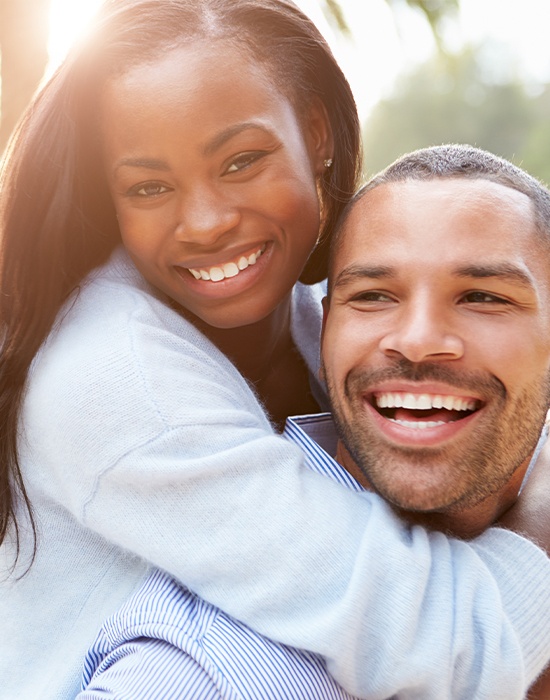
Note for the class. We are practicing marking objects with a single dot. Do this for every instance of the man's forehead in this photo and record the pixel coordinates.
(441, 212)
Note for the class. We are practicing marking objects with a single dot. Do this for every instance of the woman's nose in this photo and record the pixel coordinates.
(205, 215)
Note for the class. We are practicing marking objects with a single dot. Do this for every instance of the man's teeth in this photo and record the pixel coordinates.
(231, 269)
(419, 424)
(424, 402)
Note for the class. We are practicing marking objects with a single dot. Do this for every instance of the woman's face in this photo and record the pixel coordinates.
(214, 180)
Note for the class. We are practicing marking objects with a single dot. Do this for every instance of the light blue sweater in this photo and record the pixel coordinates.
(140, 443)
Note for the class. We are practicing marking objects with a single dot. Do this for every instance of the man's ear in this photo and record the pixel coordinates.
(319, 135)
(326, 305)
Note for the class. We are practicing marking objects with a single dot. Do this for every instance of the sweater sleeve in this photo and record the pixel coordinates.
(153, 440)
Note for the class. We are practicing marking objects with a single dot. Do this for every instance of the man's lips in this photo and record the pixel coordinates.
(423, 410)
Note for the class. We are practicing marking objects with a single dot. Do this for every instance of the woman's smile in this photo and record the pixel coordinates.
(225, 270)
(227, 279)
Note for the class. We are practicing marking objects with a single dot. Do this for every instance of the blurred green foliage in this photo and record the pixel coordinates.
(435, 11)
(458, 99)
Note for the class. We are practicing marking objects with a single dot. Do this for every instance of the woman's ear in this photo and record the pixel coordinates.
(319, 136)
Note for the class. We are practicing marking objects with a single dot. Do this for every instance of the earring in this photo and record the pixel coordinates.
(327, 162)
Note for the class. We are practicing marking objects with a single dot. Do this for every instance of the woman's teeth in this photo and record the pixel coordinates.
(231, 269)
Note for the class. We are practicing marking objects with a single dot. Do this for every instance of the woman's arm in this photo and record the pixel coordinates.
(162, 449)
(530, 515)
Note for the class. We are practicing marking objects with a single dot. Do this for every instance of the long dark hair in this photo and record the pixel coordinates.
(56, 217)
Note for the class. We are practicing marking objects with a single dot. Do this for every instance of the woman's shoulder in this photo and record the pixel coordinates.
(120, 356)
(116, 321)
(115, 297)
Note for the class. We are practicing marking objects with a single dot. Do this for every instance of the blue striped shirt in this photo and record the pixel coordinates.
(167, 643)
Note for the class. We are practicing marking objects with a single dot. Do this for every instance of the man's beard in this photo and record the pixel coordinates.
(476, 468)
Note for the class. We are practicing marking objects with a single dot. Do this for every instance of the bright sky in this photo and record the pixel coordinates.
(381, 48)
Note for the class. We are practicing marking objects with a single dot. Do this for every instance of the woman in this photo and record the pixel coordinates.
(160, 200)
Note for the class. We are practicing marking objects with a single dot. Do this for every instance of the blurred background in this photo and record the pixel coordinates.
(423, 72)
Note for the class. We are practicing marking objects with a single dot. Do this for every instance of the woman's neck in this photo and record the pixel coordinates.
(257, 348)
(265, 354)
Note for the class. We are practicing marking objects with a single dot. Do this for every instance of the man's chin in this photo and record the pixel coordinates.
(421, 503)
(419, 486)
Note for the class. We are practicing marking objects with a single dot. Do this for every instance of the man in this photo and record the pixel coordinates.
(437, 363)
(436, 345)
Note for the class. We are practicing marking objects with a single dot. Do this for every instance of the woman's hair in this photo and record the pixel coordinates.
(57, 220)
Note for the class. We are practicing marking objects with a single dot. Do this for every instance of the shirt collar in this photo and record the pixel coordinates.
(316, 435)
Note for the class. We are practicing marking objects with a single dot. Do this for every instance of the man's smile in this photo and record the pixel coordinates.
(420, 411)
(412, 417)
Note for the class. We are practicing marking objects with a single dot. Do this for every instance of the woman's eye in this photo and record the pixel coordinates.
(244, 160)
(148, 189)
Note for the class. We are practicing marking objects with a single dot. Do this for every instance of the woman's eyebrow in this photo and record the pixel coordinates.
(210, 148)
(147, 163)
(220, 139)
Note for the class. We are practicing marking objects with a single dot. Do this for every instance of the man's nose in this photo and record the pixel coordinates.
(421, 332)
(205, 215)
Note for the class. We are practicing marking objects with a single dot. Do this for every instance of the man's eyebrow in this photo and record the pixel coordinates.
(356, 272)
(220, 139)
(502, 271)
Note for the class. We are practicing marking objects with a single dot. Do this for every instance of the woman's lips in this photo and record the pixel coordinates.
(221, 284)
(221, 271)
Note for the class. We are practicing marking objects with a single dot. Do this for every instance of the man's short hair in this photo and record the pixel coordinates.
(453, 161)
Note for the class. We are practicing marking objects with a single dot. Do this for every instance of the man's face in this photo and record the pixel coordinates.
(436, 344)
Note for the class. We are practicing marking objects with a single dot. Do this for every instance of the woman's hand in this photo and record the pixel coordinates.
(530, 515)
(541, 689)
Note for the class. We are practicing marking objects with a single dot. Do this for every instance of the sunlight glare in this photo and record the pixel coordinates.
(68, 20)
(383, 45)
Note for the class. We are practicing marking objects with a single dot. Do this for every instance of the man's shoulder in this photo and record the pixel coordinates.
(160, 609)
(250, 665)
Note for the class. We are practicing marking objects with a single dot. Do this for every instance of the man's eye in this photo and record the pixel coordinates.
(372, 297)
(483, 298)
(244, 160)
(148, 189)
